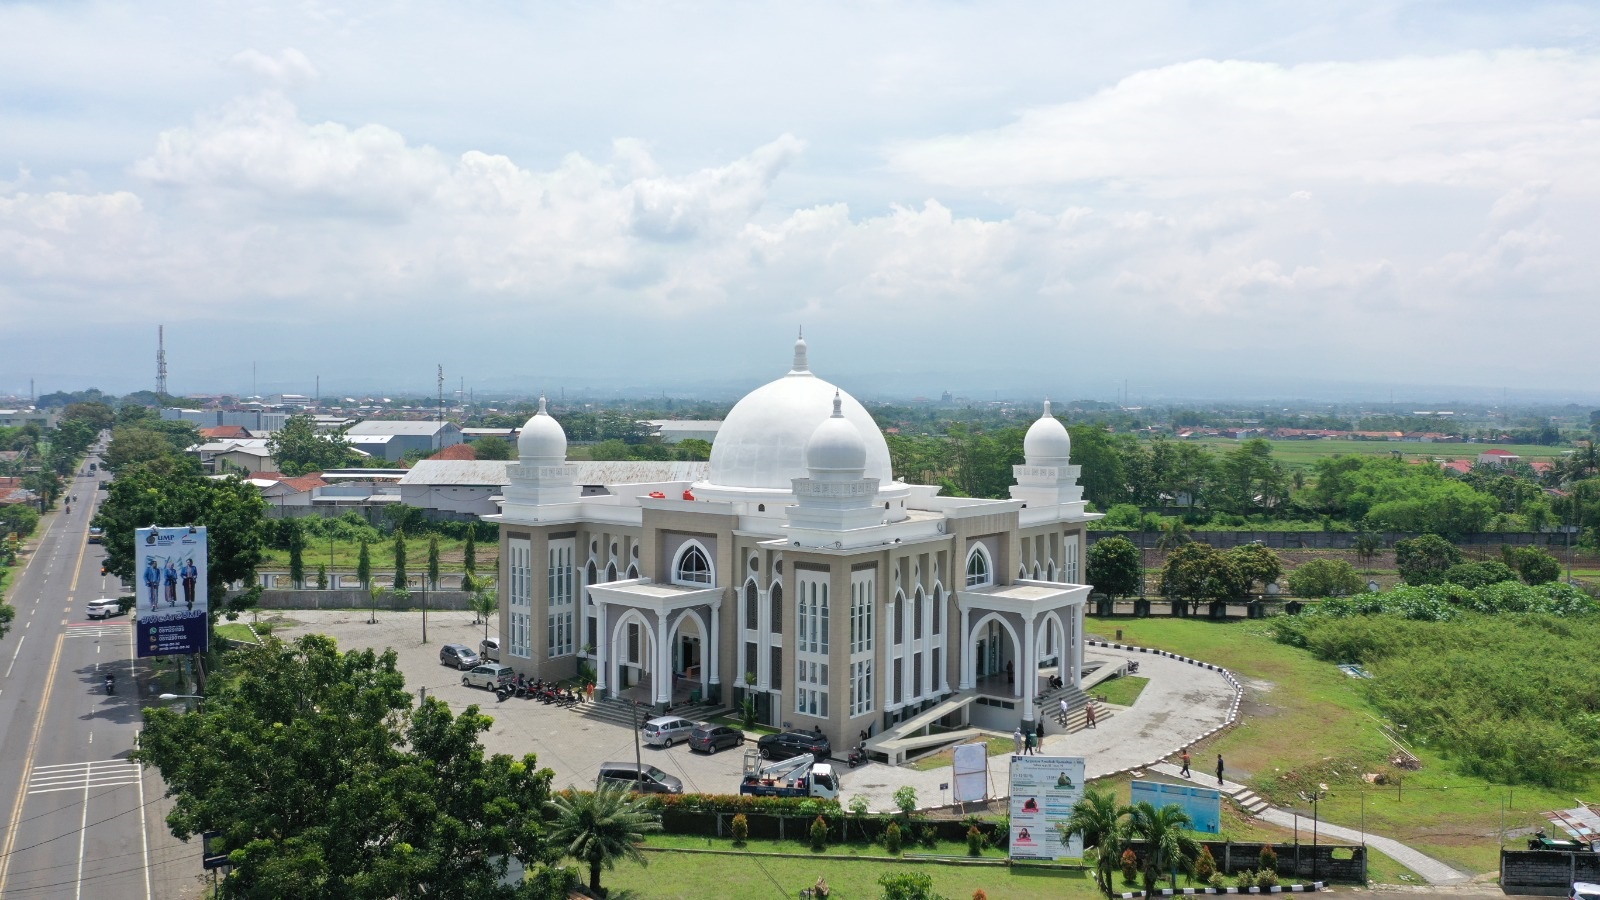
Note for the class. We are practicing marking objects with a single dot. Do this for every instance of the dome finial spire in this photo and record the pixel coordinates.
(543, 411)
(800, 364)
(838, 406)
(1047, 411)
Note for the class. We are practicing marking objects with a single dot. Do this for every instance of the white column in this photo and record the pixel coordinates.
(891, 665)
(1077, 646)
(714, 652)
(1028, 671)
(969, 662)
(764, 644)
(928, 686)
(663, 676)
(602, 649)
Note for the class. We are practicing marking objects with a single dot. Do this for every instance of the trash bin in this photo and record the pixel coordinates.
(1119, 635)
(694, 696)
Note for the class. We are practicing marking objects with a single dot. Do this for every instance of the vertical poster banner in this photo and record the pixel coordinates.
(1043, 791)
(971, 765)
(172, 609)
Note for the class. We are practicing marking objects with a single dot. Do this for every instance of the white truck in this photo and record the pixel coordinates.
(797, 776)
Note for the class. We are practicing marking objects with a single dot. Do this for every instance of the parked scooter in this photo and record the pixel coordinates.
(858, 755)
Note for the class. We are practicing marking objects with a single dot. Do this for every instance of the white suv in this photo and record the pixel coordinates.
(103, 608)
(492, 677)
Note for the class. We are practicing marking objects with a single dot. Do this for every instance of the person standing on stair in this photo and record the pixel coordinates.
(1066, 712)
(1088, 709)
(1185, 772)
(1219, 768)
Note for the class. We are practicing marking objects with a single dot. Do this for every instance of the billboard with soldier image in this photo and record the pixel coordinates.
(172, 610)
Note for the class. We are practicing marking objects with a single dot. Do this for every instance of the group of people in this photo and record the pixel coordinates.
(1025, 740)
(1088, 713)
(171, 576)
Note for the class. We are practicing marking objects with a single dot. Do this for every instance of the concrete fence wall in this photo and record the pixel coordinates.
(1547, 872)
(360, 599)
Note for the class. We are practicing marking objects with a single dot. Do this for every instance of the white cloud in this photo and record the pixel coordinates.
(1496, 119)
(288, 68)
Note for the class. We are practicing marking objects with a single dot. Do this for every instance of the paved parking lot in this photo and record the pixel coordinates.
(1181, 703)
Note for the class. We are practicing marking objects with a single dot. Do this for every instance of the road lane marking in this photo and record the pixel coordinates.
(83, 836)
(27, 764)
(144, 831)
(14, 656)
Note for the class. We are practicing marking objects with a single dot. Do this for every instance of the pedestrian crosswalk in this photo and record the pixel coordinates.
(95, 631)
(83, 776)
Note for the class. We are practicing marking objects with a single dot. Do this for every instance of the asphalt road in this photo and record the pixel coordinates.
(81, 819)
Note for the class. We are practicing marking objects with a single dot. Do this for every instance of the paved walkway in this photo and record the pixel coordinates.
(1432, 870)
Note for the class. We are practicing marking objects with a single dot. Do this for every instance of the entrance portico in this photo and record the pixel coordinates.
(1006, 631)
(660, 630)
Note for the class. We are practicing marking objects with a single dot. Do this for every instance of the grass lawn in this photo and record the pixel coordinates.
(1121, 691)
(345, 555)
(1306, 723)
(679, 874)
(1301, 454)
(998, 746)
(236, 631)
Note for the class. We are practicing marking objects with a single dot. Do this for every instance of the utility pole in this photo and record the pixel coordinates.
(439, 440)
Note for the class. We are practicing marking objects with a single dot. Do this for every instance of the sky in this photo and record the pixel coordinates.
(1086, 200)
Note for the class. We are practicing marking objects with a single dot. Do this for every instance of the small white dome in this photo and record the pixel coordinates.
(1047, 443)
(762, 442)
(836, 447)
(543, 442)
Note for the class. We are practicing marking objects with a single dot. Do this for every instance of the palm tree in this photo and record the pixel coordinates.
(1173, 535)
(602, 827)
(1098, 819)
(1168, 846)
(485, 601)
(1367, 546)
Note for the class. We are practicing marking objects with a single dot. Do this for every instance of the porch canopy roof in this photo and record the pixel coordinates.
(1026, 597)
(642, 593)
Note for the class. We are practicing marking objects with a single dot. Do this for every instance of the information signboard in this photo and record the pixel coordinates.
(1204, 805)
(1043, 791)
(172, 608)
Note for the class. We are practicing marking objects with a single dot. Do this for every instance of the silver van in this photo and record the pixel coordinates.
(643, 779)
(666, 731)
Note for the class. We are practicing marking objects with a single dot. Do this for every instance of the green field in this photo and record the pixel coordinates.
(1297, 454)
(345, 554)
(1307, 723)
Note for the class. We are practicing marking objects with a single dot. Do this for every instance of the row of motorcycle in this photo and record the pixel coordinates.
(541, 690)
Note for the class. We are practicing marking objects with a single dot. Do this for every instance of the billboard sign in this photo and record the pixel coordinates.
(1043, 791)
(971, 764)
(172, 608)
(1203, 805)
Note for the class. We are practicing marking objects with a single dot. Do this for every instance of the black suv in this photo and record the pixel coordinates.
(794, 743)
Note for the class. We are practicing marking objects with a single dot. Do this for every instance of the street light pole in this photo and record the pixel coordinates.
(1315, 797)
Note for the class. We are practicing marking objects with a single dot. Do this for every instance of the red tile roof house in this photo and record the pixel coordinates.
(1497, 457)
(224, 432)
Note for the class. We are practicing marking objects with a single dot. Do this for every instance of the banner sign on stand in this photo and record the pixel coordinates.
(1043, 791)
(172, 608)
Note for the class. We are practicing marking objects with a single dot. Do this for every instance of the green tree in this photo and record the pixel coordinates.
(469, 556)
(364, 564)
(1116, 567)
(298, 449)
(1169, 848)
(1199, 572)
(1099, 821)
(692, 449)
(1257, 564)
(325, 783)
(1367, 546)
(1424, 559)
(1250, 480)
(297, 550)
(1533, 565)
(400, 582)
(135, 445)
(322, 577)
(19, 518)
(433, 561)
(1479, 574)
(94, 413)
(492, 447)
(165, 492)
(1101, 463)
(1324, 578)
(599, 828)
(485, 601)
(1174, 534)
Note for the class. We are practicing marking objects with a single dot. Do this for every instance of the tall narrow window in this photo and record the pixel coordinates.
(863, 634)
(811, 645)
(777, 608)
(519, 598)
(752, 610)
(563, 594)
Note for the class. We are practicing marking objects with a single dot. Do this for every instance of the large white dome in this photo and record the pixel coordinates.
(762, 442)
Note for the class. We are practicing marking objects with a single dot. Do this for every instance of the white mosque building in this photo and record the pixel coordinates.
(799, 573)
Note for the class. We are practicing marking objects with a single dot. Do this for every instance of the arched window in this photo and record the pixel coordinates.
(978, 566)
(611, 571)
(916, 615)
(752, 612)
(777, 608)
(692, 565)
(592, 574)
(633, 571)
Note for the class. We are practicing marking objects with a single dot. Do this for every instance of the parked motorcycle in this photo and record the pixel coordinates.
(858, 755)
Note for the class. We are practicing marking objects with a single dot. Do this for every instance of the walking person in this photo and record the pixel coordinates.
(1219, 768)
(1066, 712)
(588, 692)
(1016, 740)
(1185, 772)
(1088, 709)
